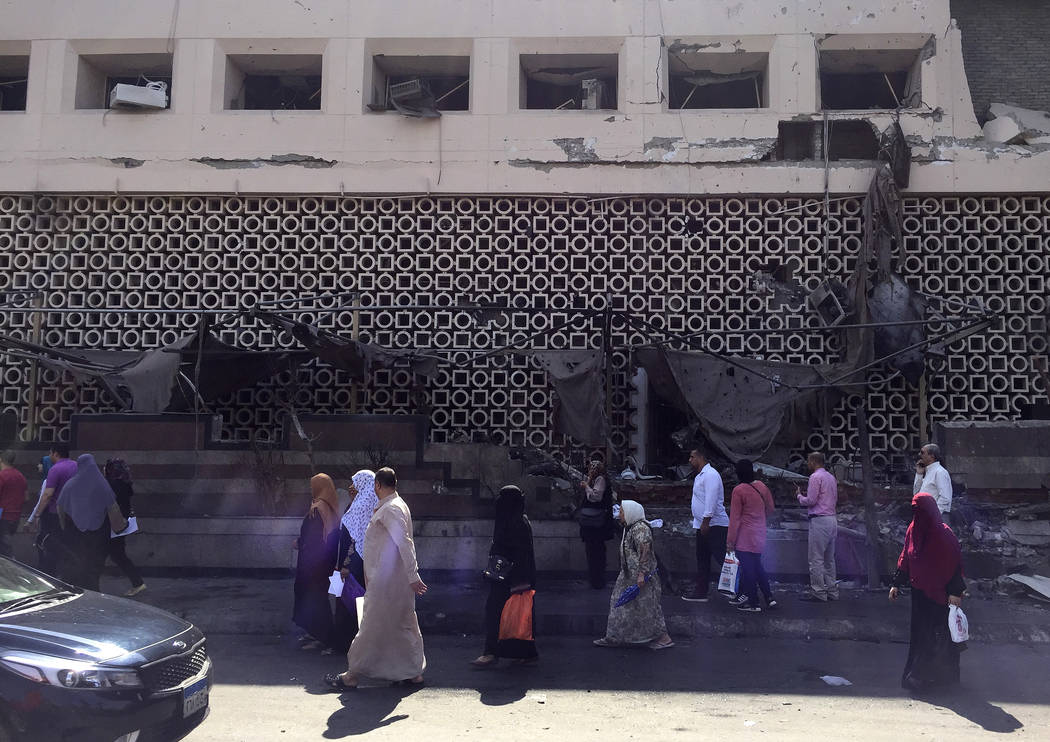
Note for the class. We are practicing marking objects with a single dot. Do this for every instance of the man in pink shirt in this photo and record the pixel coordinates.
(820, 499)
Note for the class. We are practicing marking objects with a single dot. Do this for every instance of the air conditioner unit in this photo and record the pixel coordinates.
(151, 95)
(593, 92)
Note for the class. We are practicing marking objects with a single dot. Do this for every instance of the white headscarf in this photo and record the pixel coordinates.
(632, 512)
(357, 516)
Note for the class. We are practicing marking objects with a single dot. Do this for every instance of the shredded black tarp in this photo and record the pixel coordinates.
(578, 379)
(891, 300)
(741, 411)
(150, 381)
(347, 354)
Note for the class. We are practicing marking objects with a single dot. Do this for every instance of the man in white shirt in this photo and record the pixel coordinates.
(710, 521)
(932, 478)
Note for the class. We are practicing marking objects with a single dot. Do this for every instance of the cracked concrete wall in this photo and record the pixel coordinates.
(196, 146)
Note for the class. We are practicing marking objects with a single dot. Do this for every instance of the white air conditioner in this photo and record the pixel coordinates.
(151, 95)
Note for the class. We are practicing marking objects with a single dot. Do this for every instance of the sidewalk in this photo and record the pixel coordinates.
(233, 605)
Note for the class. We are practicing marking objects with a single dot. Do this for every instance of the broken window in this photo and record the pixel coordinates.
(420, 86)
(869, 79)
(99, 74)
(716, 80)
(272, 82)
(558, 82)
(849, 139)
(14, 82)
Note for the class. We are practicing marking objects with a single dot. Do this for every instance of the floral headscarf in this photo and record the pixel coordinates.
(357, 516)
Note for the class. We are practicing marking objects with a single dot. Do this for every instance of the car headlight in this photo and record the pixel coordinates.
(40, 668)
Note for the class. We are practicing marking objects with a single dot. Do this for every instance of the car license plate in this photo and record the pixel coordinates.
(195, 697)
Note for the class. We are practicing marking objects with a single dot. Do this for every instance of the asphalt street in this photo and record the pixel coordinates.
(268, 689)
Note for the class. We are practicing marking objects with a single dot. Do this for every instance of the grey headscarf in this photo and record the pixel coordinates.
(87, 495)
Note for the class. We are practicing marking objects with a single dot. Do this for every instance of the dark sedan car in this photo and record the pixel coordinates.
(79, 665)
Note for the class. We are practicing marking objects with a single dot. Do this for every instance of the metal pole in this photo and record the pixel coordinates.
(607, 352)
(870, 520)
(355, 332)
(34, 370)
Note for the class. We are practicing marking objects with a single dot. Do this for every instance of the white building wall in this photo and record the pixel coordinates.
(642, 147)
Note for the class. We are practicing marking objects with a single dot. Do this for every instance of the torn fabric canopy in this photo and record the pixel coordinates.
(578, 379)
(746, 408)
(345, 353)
(150, 378)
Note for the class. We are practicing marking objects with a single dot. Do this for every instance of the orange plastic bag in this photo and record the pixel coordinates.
(516, 620)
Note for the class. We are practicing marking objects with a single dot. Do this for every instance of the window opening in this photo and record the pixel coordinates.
(14, 82)
(558, 82)
(99, 74)
(271, 82)
(882, 79)
(716, 80)
(420, 86)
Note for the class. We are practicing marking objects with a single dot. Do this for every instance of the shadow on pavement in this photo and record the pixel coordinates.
(969, 705)
(366, 709)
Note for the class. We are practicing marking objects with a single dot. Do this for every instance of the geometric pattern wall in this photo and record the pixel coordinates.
(683, 264)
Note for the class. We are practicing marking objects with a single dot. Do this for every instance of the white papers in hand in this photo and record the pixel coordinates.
(335, 584)
(133, 527)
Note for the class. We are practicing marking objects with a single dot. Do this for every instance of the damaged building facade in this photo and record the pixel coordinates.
(615, 174)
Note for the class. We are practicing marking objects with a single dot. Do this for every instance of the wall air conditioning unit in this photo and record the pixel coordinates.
(153, 95)
(593, 92)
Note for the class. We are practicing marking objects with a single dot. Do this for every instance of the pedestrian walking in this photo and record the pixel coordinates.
(932, 478)
(119, 477)
(352, 528)
(88, 512)
(710, 521)
(317, 544)
(640, 620)
(48, 540)
(596, 520)
(931, 564)
(512, 541)
(751, 503)
(388, 645)
(12, 497)
(820, 501)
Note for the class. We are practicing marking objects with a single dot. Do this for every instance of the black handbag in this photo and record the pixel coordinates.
(498, 569)
(591, 517)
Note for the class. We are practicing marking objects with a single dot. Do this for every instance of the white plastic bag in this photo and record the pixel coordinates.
(958, 625)
(730, 577)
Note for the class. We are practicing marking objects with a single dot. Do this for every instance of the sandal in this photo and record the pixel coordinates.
(485, 660)
(334, 683)
(603, 642)
(665, 645)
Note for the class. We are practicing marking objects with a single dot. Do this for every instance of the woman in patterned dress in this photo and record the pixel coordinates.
(641, 620)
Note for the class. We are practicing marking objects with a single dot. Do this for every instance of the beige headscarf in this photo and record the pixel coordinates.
(325, 502)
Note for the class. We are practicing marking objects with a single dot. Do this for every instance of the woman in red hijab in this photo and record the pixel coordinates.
(931, 564)
(317, 543)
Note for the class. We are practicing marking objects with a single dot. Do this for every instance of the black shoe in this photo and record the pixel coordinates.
(694, 598)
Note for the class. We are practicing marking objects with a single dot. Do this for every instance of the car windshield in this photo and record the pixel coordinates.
(17, 582)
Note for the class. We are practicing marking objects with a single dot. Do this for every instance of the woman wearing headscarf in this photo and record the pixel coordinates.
(512, 540)
(354, 523)
(317, 544)
(596, 521)
(931, 564)
(750, 504)
(119, 477)
(641, 620)
(87, 510)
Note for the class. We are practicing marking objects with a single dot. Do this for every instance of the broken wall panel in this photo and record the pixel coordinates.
(714, 80)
